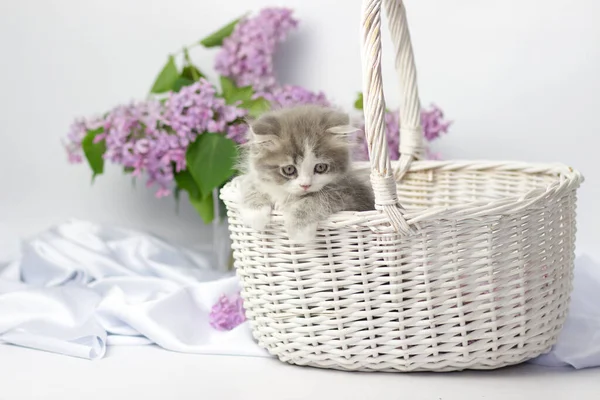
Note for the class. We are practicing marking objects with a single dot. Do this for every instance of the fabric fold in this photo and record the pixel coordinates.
(79, 287)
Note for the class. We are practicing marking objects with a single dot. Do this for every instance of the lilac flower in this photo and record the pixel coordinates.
(291, 95)
(76, 133)
(433, 125)
(78, 130)
(227, 313)
(392, 131)
(237, 133)
(195, 109)
(152, 138)
(247, 55)
(73, 153)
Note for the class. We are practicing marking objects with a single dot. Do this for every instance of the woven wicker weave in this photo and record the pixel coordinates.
(462, 265)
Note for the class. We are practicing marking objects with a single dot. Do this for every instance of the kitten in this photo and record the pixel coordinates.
(298, 160)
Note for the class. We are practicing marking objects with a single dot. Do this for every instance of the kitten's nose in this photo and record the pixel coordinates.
(305, 187)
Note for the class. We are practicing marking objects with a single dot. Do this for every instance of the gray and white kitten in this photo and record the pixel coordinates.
(298, 161)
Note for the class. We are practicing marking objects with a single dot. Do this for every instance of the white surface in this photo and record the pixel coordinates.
(152, 373)
(502, 70)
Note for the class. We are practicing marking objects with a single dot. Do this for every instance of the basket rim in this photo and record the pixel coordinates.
(567, 179)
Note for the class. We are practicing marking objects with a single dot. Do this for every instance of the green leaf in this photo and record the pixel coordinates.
(227, 87)
(358, 104)
(232, 93)
(240, 94)
(94, 151)
(211, 159)
(256, 107)
(181, 82)
(128, 170)
(216, 38)
(192, 73)
(205, 207)
(166, 78)
(185, 181)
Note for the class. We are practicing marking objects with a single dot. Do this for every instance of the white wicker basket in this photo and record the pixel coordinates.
(462, 265)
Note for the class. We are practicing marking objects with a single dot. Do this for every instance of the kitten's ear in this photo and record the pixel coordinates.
(263, 131)
(262, 140)
(338, 124)
(266, 125)
(334, 119)
(340, 127)
(341, 135)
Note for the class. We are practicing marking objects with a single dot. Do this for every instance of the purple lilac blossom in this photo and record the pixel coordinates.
(152, 138)
(247, 55)
(432, 122)
(292, 95)
(227, 313)
(77, 132)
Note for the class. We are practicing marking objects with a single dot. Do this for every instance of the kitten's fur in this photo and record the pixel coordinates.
(304, 140)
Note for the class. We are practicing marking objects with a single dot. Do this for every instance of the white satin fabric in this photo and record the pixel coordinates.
(579, 342)
(79, 287)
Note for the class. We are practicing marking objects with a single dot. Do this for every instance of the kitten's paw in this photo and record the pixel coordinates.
(256, 218)
(302, 234)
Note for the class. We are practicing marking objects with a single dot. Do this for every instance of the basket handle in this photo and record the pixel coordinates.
(383, 178)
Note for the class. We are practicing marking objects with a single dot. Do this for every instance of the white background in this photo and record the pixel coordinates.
(520, 78)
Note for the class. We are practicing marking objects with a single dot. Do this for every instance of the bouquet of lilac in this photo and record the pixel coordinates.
(186, 136)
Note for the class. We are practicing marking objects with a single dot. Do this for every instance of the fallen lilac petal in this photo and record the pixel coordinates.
(227, 313)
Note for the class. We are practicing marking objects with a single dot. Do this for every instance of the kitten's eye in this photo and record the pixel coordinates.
(288, 170)
(321, 168)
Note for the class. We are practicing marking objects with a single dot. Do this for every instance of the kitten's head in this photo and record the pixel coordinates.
(300, 149)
